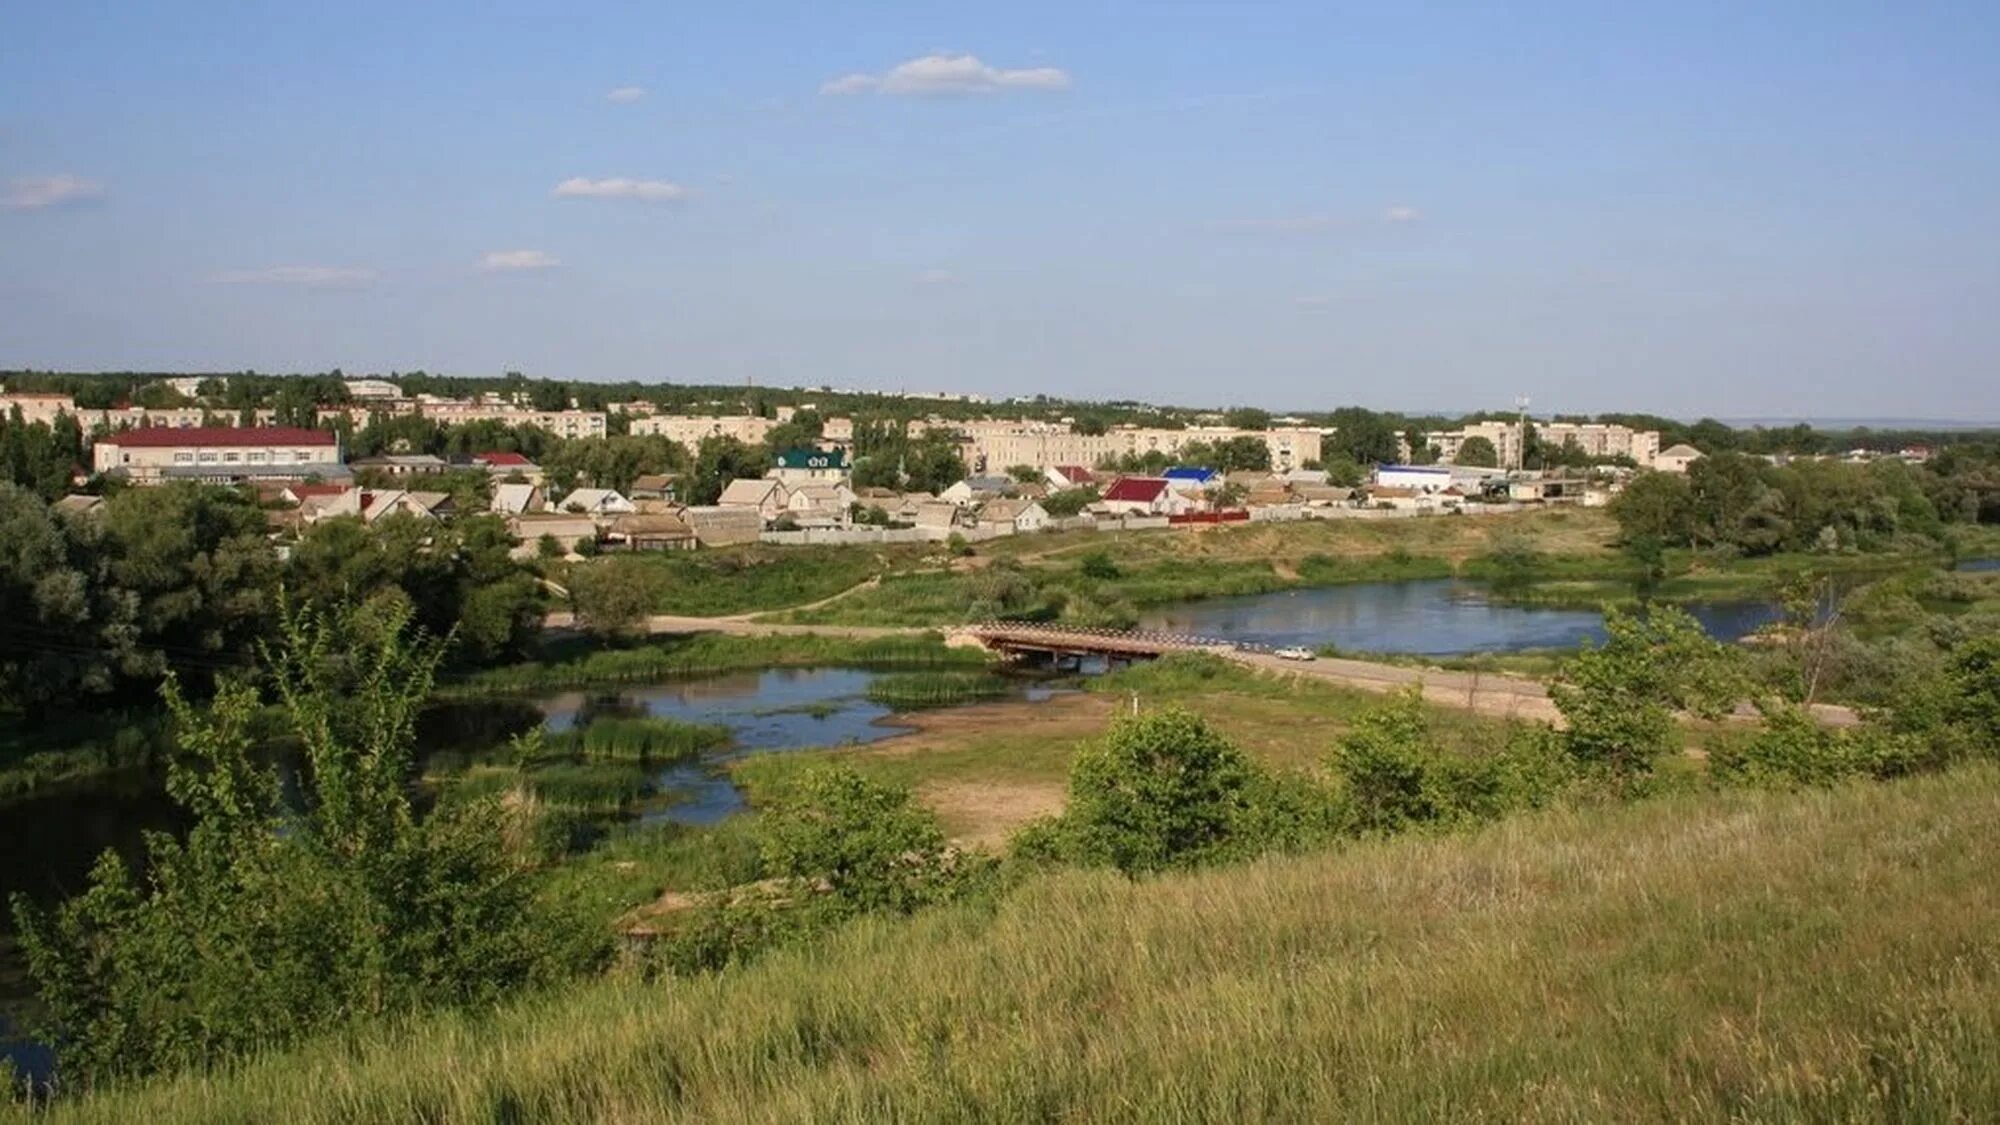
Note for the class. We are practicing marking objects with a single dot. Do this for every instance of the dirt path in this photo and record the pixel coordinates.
(869, 584)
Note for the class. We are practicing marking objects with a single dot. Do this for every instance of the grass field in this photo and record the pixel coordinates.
(1743, 955)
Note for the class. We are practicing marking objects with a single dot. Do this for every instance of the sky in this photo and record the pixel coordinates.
(1738, 210)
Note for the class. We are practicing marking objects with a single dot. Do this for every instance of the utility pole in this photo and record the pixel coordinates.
(1521, 432)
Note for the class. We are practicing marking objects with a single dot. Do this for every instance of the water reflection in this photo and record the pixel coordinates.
(1435, 617)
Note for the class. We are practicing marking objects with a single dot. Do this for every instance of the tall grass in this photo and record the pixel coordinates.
(643, 740)
(910, 691)
(708, 653)
(1823, 956)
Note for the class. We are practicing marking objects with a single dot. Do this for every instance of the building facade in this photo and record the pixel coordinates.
(218, 453)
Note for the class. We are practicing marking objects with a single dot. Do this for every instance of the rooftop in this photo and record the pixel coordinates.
(156, 437)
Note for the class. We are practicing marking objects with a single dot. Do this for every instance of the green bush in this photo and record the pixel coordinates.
(1157, 791)
(1792, 749)
(1619, 698)
(852, 845)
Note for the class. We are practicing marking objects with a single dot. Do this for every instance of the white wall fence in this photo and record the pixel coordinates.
(848, 536)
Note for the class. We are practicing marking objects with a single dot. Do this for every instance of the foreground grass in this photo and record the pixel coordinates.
(1826, 956)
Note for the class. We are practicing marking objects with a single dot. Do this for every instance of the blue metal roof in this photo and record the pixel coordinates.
(1189, 473)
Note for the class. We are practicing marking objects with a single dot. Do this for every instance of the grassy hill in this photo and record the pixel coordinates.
(1750, 955)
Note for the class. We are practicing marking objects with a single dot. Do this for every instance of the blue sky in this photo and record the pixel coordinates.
(1729, 209)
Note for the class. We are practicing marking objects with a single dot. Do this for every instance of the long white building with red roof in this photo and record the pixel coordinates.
(219, 454)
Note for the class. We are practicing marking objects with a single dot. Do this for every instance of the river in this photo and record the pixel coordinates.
(1428, 617)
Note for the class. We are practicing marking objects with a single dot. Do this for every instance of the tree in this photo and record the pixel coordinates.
(1158, 790)
(720, 460)
(1657, 507)
(934, 463)
(612, 596)
(1619, 698)
(1024, 474)
(1478, 452)
(1362, 435)
(278, 918)
(1247, 418)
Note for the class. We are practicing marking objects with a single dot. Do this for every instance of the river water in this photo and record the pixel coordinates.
(1429, 617)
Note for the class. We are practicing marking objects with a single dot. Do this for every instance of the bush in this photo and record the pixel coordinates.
(1397, 779)
(1159, 790)
(1619, 698)
(1098, 564)
(1794, 750)
(856, 846)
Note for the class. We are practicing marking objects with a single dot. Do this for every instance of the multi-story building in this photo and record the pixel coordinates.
(372, 389)
(218, 454)
(993, 446)
(1595, 439)
(690, 430)
(36, 407)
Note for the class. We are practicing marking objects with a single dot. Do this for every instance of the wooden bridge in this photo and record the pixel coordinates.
(1060, 642)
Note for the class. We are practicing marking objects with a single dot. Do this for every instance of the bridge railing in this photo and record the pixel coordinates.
(1096, 632)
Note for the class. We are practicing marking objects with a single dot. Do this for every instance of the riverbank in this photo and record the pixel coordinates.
(1711, 956)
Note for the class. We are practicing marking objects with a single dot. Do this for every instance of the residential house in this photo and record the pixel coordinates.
(1191, 480)
(596, 502)
(77, 503)
(655, 486)
(403, 465)
(820, 505)
(768, 498)
(423, 505)
(652, 531)
(936, 515)
(519, 499)
(298, 494)
(504, 464)
(1144, 496)
(1069, 476)
(567, 530)
(718, 526)
(1676, 458)
(976, 490)
(801, 466)
(1019, 516)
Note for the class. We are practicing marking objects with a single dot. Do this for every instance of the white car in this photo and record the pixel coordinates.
(1295, 653)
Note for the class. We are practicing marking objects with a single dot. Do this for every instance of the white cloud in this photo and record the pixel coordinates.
(310, 277)
(625, 95)
(30, 193)
(517, 261)
(620, 187)
(1401, 214)
(948, 74)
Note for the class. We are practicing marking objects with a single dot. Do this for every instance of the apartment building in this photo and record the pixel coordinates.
(994, 446)
(218, 454)
(1595, 439)
(689, 430)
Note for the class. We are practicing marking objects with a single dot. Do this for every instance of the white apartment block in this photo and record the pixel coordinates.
(690, 430)
(1595, 439)
(995, 446)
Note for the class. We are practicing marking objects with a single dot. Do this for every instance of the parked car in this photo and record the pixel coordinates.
(1295, 653)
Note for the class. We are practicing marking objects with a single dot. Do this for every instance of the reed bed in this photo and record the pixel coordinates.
(708, 654)
(643, 740)
(912, 691)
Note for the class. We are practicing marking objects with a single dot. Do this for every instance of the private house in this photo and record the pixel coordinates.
(1018, 516)
(1418, 479)
(936, 515)
(596, 502)
(1191, 480)
(1069, 476)
(77, 503)
(652, 531)
(655, 486)
(815, 466)
(566, 530)
(1676, 458)
(297, 494)
(402, 465)
(519, 499)
(502, 464)
(423, 505)
(718, 526)
(820, 505)
(976, 490)
(768, 498)
(219, 454)
(1143, 496)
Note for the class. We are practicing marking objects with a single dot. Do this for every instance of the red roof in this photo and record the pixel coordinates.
(1075, 474)
(1142, 490)
(304, 490)
(497, 458)
(155, 437)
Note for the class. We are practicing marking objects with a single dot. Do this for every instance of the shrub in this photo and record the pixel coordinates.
(1157, 791)
(1098, 564)
(857, 845)
(1793, 749)
(1619, 698)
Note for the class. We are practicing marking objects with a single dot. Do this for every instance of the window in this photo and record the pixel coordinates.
(300, 456)
(183, 458)
(232, 457)
(259, 457)
(207, 457)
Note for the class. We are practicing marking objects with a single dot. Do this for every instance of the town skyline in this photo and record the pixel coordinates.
(1690, 212)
